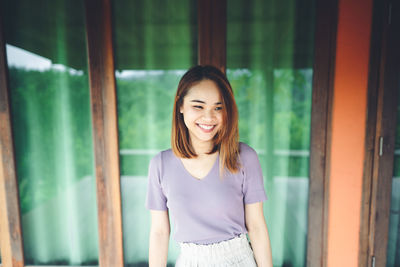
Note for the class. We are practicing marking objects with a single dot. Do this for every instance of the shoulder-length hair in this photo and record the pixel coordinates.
(226, 141)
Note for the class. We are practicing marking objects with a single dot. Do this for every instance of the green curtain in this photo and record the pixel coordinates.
(269, 63)
(393, 249)
(155, 43)
(51, 120)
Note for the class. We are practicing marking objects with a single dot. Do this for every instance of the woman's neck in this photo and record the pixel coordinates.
(202, 148)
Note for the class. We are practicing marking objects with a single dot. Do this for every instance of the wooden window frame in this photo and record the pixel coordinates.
(321, 121)
(381, 122)
(211, 50)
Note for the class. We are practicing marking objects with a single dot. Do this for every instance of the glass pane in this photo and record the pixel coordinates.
(393, 249)
(269, 63)
(51, 118)
(155, 42)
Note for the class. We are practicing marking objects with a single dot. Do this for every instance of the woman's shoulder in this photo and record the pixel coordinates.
(161, 160)
(245, 149)
(163, 157)
(249, 161)
(247, 154)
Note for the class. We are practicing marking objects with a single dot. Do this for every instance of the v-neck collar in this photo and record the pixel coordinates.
(216, 161)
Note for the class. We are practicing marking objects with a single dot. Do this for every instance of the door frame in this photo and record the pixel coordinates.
(383, 87)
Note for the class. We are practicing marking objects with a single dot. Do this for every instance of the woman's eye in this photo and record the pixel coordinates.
(218, 108)
(198, 107)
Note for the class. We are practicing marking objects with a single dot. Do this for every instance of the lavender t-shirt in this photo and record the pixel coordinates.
(206, 210)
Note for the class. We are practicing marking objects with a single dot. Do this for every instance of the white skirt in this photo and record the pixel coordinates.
(234, 252)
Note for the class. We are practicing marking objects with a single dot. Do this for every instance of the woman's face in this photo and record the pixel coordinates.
(202, 111)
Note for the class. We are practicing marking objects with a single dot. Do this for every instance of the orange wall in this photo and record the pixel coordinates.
(348, 131)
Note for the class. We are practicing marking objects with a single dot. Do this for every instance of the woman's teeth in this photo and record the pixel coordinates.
(206, 127)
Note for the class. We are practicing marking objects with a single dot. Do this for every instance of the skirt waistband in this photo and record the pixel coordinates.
(233, 249)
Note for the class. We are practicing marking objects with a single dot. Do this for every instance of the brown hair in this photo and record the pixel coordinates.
(226, 141)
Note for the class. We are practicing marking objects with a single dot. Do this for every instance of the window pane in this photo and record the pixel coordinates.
(155, 42)
(48, 80)
(393, 249)
(269, 63)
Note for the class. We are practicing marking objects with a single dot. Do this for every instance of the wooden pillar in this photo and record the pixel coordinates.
(105, 131)
(12, 254)
(212, 33)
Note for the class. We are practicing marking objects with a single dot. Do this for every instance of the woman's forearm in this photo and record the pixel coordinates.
(261, 246)
(158, 249)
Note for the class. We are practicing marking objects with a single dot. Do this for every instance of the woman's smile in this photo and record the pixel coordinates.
(206, 128)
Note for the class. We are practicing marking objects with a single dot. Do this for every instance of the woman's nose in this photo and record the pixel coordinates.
(209, 115)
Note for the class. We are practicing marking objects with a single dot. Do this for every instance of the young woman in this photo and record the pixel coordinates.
(211, 184)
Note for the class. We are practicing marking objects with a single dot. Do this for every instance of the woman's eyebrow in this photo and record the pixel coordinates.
(202, 102)
(197, 101)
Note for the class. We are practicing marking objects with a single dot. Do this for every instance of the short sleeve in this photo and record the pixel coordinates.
(253, 185)
(155, 198)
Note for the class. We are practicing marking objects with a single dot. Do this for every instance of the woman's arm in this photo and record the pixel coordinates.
(258, 233)
(159, 238)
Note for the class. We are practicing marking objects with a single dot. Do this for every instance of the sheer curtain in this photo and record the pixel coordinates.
(269, 63)
(51, 119)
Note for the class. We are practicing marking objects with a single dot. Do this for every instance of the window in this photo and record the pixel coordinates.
(49, 95)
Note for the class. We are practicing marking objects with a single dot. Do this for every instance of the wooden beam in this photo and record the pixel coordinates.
(105, 131)
(322, 99)
(212, 33)
(12, 254)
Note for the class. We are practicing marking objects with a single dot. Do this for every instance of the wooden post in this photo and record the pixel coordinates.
(105, 132)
